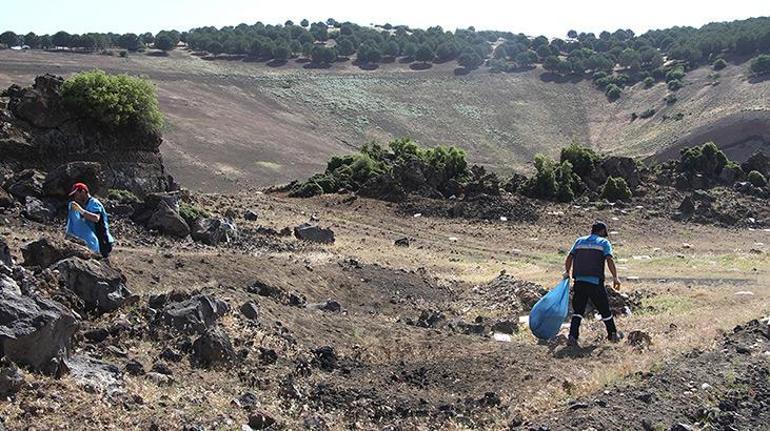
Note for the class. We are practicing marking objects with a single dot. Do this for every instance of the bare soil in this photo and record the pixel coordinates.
(234, 124)
(390, 374)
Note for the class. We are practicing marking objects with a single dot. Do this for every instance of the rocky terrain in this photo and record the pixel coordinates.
(256, 310)
(232, 125)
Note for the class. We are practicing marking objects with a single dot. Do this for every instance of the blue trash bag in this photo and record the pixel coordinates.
(551, 310)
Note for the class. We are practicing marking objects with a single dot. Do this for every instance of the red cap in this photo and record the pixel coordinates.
(78, 187)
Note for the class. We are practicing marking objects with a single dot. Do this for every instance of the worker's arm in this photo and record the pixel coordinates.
(568, 265)
(92, 217)
(614, 271)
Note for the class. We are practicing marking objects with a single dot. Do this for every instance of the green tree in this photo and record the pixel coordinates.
(582, 159)
(424, 54)
(760, 64)
(345, 47)
(649, 82)
(215, 47)
(719, 64)
(706, 159)
(616, 189)
(130, 41)
(630, 58)
(281, 52)
(613, 92)
(32, 40)
(410, 50)
(147, 38)
(323, 55)
(543, 183)
(164, 42)
(304, 23)
(391, 49)
(469, 59)
(9, 39)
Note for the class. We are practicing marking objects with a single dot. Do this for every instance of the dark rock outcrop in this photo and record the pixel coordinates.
(212, 348)
(101, 287)
(59, 181)
(5, 254)
(195, 314)
(168, 221)
(45, 134)
(308, 232)
(35, 332)
(46, 251)
(214, 231)
(38, 210)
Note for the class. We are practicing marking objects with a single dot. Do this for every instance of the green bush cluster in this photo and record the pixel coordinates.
(719, 64)
(582, 159)
(352, 172)
(760, 64)
(647, 113)
(756, 178)
(113, 100)
(551, 180)
(191, 213)
(706, 159)
(616, 189)
(122, 196)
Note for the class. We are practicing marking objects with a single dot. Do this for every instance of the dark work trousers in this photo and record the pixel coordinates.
(597, 293)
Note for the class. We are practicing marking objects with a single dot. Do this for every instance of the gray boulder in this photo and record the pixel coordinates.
(313, 233)
(42, 105)
(47, 251)
(5, 254)
(35, 332)
(168, 221)
(8, 284)
(194, 315)
(101, 287)
(250, 215)
(11, 380)
(6, 200)
(37, 210)
(212, 348)
(59, 181)
(28, 182)
(214, 231)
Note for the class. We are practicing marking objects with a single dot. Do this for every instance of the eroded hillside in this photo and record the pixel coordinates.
(232, 124)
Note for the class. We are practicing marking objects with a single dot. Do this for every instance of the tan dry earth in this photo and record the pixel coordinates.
(391, 373)
(232, 124)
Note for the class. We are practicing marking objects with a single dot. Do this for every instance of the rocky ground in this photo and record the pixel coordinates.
(269, 331)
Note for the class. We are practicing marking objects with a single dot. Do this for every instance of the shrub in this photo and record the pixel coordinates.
(565, 182)
(613, 92)
(756, 178)
(719, 64)
(122, 196)
(707, 159)
(543, 183)
(648, 113)
(676, 74)
(616, 189)
(191, 213)
(649, 82)
(675, 85)
(670, 99)
(582, 159)
(760, 64)
(114, 100)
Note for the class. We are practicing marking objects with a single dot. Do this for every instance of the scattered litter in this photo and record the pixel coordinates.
(524, 320)
(686, 245)
(642, 257)
(418, 215)
(503, 218)
(705, 386)
(615, 219)
(632, 277)
(453, 238)
(498, 336)
(744, 292)
(614, 232)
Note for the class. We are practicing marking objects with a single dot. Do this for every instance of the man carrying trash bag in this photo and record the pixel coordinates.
(586, 262)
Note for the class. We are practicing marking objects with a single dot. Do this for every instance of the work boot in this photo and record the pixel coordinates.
(572, 342)
(615, 336)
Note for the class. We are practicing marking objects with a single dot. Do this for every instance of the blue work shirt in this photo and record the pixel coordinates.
(594, 242)
(79, 227)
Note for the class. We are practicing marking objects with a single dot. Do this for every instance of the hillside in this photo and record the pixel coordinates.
(235, 124)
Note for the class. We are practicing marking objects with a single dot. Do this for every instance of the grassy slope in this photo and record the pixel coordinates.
(232, 124)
